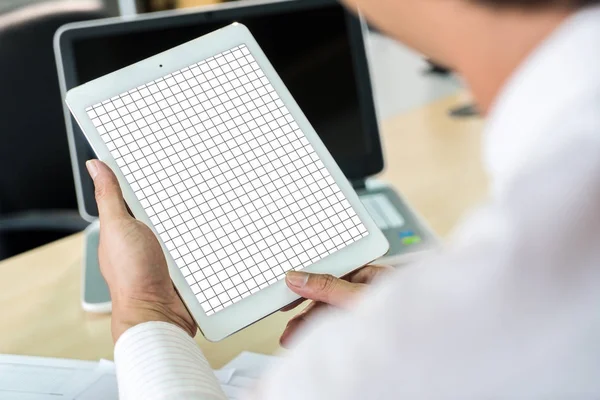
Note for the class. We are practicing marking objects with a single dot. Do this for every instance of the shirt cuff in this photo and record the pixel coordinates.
(158, 360)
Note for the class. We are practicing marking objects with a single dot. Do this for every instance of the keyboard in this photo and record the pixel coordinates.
(383, 212)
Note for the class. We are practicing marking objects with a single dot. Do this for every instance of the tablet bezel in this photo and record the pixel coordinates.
(270, 299)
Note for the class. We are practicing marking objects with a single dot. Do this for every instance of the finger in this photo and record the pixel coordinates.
(298, 321)
(325, 288)
(108, 192)
(289, 331)
(368, 273)
(293, 305)
(314, 305)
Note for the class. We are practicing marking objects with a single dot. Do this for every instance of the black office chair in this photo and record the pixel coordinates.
(37, 195)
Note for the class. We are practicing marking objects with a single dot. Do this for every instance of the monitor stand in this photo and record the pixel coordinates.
(95, 297)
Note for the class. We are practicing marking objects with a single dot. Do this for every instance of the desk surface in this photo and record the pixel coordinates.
(428, 157)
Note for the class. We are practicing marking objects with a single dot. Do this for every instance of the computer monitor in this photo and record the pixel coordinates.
(315, 45)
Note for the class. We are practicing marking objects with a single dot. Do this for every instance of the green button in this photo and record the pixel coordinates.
(411, 240)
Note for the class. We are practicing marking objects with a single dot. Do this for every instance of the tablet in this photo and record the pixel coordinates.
(215, 156)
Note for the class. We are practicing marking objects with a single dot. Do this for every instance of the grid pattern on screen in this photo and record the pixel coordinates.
(233, 187)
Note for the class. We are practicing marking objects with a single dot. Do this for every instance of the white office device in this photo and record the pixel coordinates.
(213, 153)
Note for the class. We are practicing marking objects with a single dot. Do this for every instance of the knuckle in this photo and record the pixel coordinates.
(325, 283)
(100, 190)
(131, 229)
(382, 270)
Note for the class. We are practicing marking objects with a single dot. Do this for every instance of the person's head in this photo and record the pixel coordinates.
(479, 38)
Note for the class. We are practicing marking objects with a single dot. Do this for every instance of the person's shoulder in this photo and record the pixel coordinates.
(567, 154)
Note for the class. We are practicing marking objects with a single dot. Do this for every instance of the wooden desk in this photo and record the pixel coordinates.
(431, 158)
(195, 3)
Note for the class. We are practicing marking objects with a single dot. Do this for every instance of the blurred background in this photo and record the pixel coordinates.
(38, 203)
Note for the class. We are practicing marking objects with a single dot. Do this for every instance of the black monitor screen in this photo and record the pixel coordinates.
(316, 48)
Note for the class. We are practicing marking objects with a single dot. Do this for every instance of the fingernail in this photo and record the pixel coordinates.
(92, 167)
(297, 279)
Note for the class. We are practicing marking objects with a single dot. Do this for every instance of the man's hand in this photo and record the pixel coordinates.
(324, 291)
(134, 267)
(132, 263)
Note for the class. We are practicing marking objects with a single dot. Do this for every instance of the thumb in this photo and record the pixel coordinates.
(108, 192)
(325, 288)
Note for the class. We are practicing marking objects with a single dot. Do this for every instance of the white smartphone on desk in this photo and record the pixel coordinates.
(95, 296)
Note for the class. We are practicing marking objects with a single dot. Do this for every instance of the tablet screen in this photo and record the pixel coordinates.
(231, 184)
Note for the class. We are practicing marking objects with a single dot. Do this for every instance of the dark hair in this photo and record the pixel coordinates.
(572, 4)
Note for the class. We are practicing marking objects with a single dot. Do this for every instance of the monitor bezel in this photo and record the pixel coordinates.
(358, 168)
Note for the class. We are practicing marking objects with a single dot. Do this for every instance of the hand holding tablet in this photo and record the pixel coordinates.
(214, 155)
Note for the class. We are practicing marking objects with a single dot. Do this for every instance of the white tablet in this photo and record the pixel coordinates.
(215, 156)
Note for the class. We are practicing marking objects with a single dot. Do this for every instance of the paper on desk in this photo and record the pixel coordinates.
(250, 365)
(246, 370)
(104, 384)
(37, 378)
(224, 375)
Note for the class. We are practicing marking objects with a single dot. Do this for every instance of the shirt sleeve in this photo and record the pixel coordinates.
(158, 360)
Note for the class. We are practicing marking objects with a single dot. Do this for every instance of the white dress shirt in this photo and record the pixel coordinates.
(511, 309)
